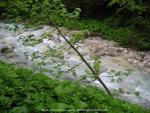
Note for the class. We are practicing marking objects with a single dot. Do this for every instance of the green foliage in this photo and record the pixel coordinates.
(29, 40)
(22, 92)
(128, 23)
(124, 35)
(47, 35)
(130, 5)
(54, 53)
(2, 3)
(38, 11)
(78, 36)
(97, 65)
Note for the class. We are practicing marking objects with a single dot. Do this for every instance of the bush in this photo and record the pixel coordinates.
(22, 92)
(37, 11)
(78, 36)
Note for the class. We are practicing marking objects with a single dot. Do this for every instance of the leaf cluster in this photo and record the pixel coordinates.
(22, 92)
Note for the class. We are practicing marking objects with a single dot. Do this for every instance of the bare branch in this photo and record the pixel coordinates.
(83, 59)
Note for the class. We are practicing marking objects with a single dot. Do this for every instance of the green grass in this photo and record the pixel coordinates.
(22, 92)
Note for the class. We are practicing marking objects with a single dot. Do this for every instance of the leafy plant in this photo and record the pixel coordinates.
(97, 65)
(78, 36)
(21, 92)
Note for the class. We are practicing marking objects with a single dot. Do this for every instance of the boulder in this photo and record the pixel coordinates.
(6, 50)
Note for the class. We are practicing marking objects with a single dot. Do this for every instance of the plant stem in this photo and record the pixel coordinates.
(83, 59)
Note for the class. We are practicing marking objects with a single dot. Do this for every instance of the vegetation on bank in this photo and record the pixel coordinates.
(23, 92)
(124, 21)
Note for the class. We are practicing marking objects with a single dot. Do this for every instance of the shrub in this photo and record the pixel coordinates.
(22, 92)
(78, 36)
(38, 11)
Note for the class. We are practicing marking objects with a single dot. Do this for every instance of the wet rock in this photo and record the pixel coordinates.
(10, 55)
(2, 46)
(130, 60)
(125, 51)
(1, 37)
(137, 56)
(6, 50)
(56, 39)
(64, 30)
(38, 28)
(142, 54)
(131, 55)
(109, 47)
(112, 52)
(103, 69)
(120, 50)
(76, 46)
(135, 61)
(20, 32)
(102, 53)
(147, 57)
(83, 52)
(94, 50)
(147, 64)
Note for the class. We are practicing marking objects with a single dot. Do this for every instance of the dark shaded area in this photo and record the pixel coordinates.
(91, 9)
(2, 7)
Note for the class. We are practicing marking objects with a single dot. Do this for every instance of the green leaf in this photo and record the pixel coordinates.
(19, 110)
(58, 106)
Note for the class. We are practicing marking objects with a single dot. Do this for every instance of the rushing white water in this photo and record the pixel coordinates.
(134, 87)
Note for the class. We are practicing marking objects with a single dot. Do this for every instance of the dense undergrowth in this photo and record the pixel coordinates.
(22, 92)
(124, 21)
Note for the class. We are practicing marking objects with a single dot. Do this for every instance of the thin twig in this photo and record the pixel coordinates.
(74, 67)
(83, 59)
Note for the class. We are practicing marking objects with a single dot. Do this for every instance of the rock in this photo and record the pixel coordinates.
(6, 50)
(38, 28)
(120, 50)
(64, 30)
(49, 43)
(135, 61)
(10, 55)
(147, 64)
(83, 52)
(109, 47)
(76, 46)
(137, 56)
(112, 52)
(130, 60)
(147, 56)
(80, 41)
(131, 54)
(142, 54)
(2, 46)
(125, 51)
(1, 37)
(56, 39)
(94, 50)
(103, 69)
